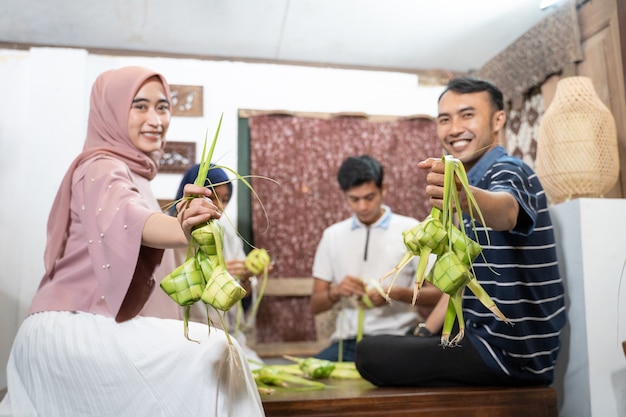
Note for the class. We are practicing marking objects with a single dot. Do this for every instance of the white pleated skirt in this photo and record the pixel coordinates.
(65, 364)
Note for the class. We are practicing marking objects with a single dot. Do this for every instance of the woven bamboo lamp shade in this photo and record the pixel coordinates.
(577, 153)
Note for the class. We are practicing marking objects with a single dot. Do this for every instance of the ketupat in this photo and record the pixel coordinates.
(205, 267)
(429, 236)
(186, 283)
(257, 261)
(455, 251)
(313, 367)
(303, 375)
(320, 368)
(345, 370)
(222, 290)
(271, 376)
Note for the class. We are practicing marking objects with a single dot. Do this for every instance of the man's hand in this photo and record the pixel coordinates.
(376, 298)
(350, 286)
(435, 181)
(499, 208)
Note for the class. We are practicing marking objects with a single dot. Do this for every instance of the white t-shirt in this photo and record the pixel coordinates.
(233, 245)
(351, 248)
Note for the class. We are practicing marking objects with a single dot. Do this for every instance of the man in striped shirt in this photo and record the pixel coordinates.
(518, 267)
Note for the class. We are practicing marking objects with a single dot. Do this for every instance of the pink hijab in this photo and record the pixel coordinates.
(107, 133)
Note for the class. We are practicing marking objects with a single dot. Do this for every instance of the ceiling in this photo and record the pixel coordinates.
(401, 35)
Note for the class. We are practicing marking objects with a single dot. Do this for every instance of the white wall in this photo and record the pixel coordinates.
(591, 380)
(43, 113)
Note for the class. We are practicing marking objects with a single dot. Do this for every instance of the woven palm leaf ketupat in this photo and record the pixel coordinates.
(577, 154)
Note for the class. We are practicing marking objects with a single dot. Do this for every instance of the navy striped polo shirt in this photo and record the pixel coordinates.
(520, 272)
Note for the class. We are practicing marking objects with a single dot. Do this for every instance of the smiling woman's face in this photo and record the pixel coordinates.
(149, 116)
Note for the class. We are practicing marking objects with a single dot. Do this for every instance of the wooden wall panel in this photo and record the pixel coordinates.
(602, 46)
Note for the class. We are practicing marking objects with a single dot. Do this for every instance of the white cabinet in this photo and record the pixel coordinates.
(591, 375)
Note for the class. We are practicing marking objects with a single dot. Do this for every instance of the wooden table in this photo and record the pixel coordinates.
(358, 398)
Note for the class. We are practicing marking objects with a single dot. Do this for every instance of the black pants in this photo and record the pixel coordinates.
(331, 353)
(422, 361)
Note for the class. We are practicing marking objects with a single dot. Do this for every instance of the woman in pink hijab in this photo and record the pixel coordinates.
(83, 350)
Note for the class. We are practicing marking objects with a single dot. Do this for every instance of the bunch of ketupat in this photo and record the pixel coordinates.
(203, 276)
(269, 378)
(314, 368)
(455, 251)
(303, 375)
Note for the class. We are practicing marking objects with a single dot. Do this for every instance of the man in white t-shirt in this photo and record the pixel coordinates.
(356, 252)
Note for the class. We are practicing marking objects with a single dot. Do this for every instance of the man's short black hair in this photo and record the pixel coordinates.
(466, 85)
(357, 170)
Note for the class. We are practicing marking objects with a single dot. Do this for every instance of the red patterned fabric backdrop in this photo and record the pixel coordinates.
(303, 155)
(522, 128)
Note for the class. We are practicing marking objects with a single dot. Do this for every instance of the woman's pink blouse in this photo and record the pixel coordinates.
(109, 207)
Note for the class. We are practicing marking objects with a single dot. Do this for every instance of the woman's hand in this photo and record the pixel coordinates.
(237, 268)
(196, 208)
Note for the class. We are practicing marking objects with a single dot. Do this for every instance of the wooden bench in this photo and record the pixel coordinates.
(324, 322)
(360, 398)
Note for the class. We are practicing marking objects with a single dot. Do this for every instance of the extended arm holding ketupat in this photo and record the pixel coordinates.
(205, 276)
(455, 251)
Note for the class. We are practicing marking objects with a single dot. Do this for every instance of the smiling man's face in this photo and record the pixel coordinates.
(468, 125)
